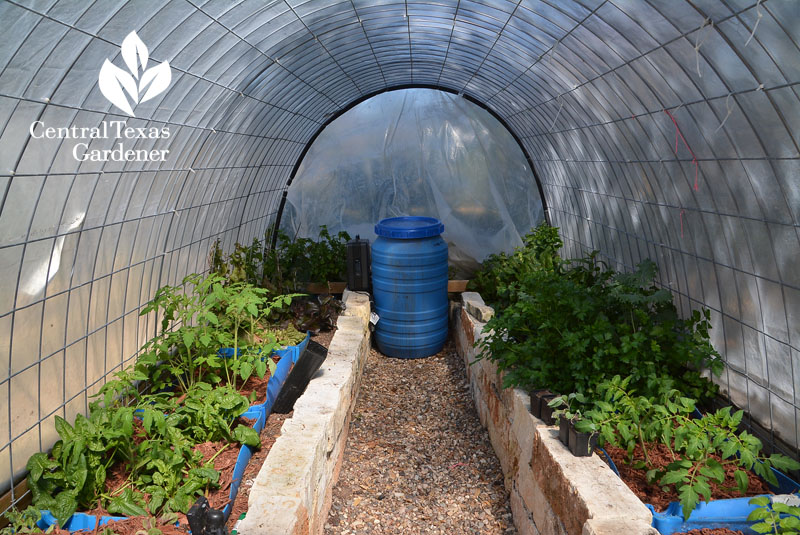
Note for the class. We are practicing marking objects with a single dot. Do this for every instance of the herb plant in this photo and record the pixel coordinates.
(573, 326)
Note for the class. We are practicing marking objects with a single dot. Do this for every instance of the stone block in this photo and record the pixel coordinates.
(472, 298)
(356, 304)
(579, 488)
(523, 520)
(595, 526)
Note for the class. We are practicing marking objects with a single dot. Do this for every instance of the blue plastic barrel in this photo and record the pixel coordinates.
(409, 284)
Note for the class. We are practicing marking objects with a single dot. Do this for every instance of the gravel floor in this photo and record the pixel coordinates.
(417, 460)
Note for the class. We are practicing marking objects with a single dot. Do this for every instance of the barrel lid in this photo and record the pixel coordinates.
(409, 227)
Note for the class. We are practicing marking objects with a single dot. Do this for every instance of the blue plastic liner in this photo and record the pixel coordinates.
(260, 412)
(731, 513)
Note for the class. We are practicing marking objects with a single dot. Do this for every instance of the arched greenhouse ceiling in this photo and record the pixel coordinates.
(666, 129)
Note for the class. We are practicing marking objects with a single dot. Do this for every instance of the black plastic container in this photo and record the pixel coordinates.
(358, 265)
(547, 411)
(563, 430)
(307, 365)
(581, 444)
(537, 395)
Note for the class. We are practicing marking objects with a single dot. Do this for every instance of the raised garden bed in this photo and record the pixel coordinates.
(231, 462)
(550, 488)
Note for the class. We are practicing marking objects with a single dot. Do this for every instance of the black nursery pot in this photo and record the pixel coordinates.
(536, 400)
(563, 430)
(547, 411)
(581, 444)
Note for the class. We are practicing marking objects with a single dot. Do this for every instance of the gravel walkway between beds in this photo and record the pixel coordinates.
(417, 459)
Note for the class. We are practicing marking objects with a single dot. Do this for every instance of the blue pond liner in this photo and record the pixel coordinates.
(259, 412)
(731, 513)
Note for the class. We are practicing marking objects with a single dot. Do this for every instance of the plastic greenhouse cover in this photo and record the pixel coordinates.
(418, 152)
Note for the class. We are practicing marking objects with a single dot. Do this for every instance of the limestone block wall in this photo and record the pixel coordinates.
(552, 492)
(292, 492)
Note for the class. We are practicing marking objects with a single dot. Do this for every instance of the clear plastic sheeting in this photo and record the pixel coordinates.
(418, 152)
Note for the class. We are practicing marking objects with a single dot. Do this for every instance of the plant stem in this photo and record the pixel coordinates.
(223, 448)
(641, 442)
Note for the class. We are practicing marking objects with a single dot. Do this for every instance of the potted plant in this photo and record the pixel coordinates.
(576, 432)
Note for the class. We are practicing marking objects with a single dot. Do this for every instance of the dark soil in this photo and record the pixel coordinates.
(654, 494)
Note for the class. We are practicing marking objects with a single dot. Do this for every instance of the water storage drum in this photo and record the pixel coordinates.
(409, 283)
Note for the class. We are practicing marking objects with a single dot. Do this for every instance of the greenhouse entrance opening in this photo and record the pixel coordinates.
(417, 152)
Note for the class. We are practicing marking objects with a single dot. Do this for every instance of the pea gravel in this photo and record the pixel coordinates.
(417, 459)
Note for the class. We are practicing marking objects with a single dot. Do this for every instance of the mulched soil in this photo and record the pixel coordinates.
(708, 531)
(417, 459)
(660, 458)
(270, 433)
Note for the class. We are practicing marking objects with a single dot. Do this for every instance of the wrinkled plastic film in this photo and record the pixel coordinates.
(418, 152)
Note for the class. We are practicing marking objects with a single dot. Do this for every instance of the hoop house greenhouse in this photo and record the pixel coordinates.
(378, 266)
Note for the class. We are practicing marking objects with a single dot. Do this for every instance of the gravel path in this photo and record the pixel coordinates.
(417, 460)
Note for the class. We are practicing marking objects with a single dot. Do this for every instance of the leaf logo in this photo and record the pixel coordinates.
(121, 87)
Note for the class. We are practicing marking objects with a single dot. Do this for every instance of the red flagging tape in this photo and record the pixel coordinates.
(679, 133)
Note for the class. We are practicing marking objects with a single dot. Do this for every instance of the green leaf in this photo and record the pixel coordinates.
(245, 370)
(675, 476)
(742, 481)
(759, 513)
(261, 368)
(76, 475)
(247, 436)
(205, 339)
(188, 338)
(64, 506)
(207, 474)
(126, 504)
(790, 522)
(38, 464)
(783, 463)
(713, 470)
(65, 431)
(689, 498)
(762, 527)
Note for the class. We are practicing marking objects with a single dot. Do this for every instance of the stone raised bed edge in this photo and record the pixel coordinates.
(292, 493)
(552, 492)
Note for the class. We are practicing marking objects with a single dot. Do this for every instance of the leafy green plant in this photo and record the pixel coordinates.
(499, 276)
(774, 517)
(626, 419)
(22, 521)
(573, 326)
(296, 261)
(190, 334)
(160, 456)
